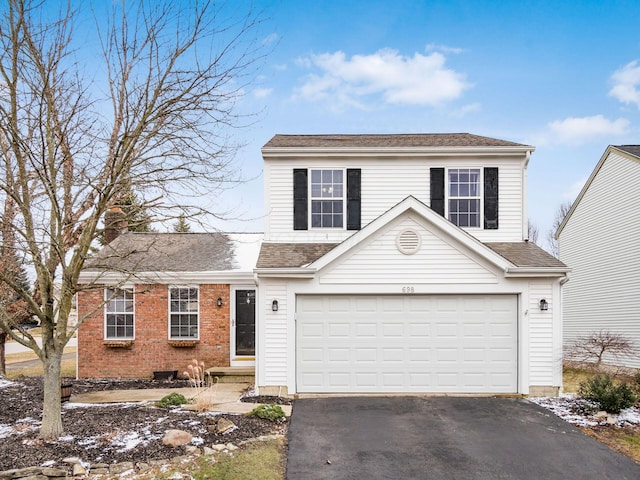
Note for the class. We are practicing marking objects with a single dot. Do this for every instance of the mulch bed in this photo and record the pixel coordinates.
(110, 433)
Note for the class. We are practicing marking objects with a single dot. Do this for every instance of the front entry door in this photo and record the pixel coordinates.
(245, 322)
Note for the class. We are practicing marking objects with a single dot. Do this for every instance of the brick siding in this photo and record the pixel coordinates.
(150, 350)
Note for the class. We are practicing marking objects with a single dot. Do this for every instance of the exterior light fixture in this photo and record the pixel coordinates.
(544, 305)
(274, 305)
(219, 301)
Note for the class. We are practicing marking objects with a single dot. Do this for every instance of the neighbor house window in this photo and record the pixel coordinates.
(464, 196)
(183, 312)
(119, 313)
(327, 198)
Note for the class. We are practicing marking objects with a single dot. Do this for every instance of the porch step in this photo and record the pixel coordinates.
(232, 374)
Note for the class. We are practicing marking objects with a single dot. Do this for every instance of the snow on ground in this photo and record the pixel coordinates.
(6, 383)
(578, 411)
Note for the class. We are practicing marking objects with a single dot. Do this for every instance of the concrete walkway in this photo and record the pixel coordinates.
(224, 398)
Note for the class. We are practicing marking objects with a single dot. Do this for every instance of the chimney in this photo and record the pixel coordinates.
(115, 223)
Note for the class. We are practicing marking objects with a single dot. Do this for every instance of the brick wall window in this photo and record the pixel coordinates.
(119, 313)
(183, 313)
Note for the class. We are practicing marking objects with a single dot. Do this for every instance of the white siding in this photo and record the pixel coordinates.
(275, 345)
(600, 244)
(386, 182)
(380, 261)
(541, 331)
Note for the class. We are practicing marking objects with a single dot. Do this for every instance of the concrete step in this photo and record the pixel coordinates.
(232, 374)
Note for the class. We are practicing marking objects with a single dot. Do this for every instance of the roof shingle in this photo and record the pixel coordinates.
(290, 255)
(525, 254)
(171, 252)
(388, 141)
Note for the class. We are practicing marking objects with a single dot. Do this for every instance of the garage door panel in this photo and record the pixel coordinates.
(407, 344)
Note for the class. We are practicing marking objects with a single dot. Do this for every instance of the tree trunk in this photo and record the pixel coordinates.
(52, 409)
(3, 360)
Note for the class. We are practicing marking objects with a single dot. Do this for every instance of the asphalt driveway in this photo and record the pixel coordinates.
(442, 438)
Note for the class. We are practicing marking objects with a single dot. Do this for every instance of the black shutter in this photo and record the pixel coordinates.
(353, 199)
(300, 202)
(490, 198)
(437, 190)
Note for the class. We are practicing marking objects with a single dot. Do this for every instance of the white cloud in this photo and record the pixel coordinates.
(434, 47)
(269, 39)
(581, 130)
(417, 80)
(625, 84)
(466, 109)
(575, 189)
(262, 92)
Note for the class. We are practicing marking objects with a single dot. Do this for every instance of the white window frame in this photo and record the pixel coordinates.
(479, 197)
(313, 198)
(171, 313)
(107, 303)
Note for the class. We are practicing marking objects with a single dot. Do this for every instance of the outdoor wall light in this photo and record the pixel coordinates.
(219, 301)
(274, 305)
(544, 305)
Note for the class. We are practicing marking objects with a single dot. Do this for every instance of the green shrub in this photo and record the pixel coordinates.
(268, 412)
(610, 397)
(171, 400)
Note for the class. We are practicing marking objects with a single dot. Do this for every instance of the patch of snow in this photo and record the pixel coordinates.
(128, 441)
(578, 411)
(73, 405)
(6, 383)
(66, 438)
(197, 440)
(48, 463)
(6, 430)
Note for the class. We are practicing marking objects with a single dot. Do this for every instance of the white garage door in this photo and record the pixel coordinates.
(443, 344)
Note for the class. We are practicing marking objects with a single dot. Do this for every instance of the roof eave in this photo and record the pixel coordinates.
(293, 272)
(528, 272)
(216, 276)
(273, 152)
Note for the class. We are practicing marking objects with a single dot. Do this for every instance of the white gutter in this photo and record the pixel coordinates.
(370, 152)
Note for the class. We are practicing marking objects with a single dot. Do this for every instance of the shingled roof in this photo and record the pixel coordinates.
(388, 141)
(293, 255)
(525, 254)
(288, 255)
(632, 149)
(177, 252)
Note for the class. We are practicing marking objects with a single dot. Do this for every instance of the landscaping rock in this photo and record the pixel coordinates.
(176, 438)
(208, 451)
(223, 426)
(119, 468)
(79, 470)
(192, 450)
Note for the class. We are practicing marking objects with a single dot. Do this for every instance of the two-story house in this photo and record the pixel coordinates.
(400, 263)
(389, 263)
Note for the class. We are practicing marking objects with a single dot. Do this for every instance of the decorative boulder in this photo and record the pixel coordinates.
(176, 438)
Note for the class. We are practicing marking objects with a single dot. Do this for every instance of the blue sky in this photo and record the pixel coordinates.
(562, 76)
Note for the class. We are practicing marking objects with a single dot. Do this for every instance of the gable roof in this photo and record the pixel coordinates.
(508, 256)
(287, 255)
(525, 254)
(177, 252)
(388, 141)
(631, 152)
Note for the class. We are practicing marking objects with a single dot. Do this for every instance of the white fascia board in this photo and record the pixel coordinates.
(441, 223)
(115, 278)
(369, 152)
(285, 272)
(536, 272)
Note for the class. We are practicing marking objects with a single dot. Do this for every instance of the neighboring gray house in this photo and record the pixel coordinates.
(400, 263)
(599, 240)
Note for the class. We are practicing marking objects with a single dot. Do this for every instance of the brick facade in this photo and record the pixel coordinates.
(151, 349)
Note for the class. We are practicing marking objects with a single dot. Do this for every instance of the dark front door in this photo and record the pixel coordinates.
(245, 322)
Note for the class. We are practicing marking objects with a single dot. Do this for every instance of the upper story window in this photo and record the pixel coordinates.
(119, 313)
(183, 312)
(327, 199)
(464, 196)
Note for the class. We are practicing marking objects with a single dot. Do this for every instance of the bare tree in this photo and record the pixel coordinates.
(594, 347)
(558, 218)
(155, 119)
(532, 232)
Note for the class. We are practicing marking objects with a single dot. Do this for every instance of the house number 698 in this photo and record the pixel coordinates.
(407, 290)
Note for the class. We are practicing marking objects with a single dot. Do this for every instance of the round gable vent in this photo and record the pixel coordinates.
(408, 242)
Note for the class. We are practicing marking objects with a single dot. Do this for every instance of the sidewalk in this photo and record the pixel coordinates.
(15, 347)
(225, 398)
